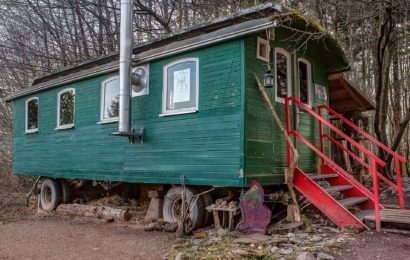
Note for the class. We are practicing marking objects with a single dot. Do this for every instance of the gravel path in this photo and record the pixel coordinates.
(55, 238)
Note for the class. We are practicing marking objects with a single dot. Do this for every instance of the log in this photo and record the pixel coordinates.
(103, 212)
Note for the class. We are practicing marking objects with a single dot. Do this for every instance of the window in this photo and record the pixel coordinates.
(110, 99)
(282, 75)
(305, 81)
(32, 115)
(65, 111)
(180, 91)
(262, 49)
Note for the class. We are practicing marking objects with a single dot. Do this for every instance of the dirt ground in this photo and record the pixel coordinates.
(26, 235)
(370, 246)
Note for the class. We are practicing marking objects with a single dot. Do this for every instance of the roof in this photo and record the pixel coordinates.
(345, 96)
(245, 22)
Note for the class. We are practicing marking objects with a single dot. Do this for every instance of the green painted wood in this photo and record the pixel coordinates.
(230, 141)
(265, 147)
(203, 147)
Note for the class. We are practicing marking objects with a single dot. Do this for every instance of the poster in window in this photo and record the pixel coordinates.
(182, 88)
(320, 92)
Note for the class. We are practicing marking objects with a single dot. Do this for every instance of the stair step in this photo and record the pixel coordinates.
(333, 189)
(352, 201)
(323, 176)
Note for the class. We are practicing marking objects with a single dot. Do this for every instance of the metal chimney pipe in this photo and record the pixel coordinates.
(125, 65)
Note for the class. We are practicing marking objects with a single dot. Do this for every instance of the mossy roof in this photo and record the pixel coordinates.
(314, 36)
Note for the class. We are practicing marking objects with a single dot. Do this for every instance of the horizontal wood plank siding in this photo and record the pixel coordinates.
(203, 147)
(265, 146)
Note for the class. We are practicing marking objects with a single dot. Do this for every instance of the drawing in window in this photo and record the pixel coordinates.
(180, 94)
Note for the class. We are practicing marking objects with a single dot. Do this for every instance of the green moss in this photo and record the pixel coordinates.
(298, 16)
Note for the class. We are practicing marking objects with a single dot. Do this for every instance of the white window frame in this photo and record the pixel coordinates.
(258, 46)
(288, 74)
(67, 126)
(35, 130)
(309, 68)
(102, 100)
(179, 111)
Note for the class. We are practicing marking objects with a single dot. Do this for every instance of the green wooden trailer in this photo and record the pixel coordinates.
(198, 119)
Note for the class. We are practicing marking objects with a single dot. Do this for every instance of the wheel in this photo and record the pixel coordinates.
(208, 200)
(65, 191)
(50, 194)
(173, 203)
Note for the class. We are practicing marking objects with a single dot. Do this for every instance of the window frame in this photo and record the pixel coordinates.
(266, 42)
(102, 101)
(178, 111)
(309, 78)
(35, 130)
(288, 74)
(67, 126)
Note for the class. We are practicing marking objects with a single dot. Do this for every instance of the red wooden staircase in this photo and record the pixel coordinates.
(334, 190)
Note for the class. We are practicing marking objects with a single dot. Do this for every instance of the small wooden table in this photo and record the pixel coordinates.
(228, 216)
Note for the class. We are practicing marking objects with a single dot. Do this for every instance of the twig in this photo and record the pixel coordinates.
(295, 159)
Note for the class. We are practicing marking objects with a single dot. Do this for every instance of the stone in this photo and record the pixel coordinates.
(315, 239)
(274, 249)
(152, 227)
(289, 235)
(256, 238)
(178, 257)
(303, 235)
(222, 232)
(340, 240)
(170, 227)
(239, 251)
(305, 256)
(331, 229)
(324, 256)
(352, 229)
(197, 242)
(286, 251)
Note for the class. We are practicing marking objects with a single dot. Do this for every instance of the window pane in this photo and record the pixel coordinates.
(67, 108)
(32, 114)
(181, 86)
(263, 50)
(303, 82)
(111, 99)
(281, 75)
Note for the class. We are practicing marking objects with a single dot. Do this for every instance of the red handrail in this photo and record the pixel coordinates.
(368, 136)
(334, 128)
(375, 160)
(359, 160)
(397, 157)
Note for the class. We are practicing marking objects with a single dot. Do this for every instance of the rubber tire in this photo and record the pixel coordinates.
(208, 200)
(65, 191)
(56, 197)
(198, 212)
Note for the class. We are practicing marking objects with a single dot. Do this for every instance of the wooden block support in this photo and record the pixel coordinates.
(155, 206)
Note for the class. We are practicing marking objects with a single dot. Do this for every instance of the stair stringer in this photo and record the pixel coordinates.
(324, 201)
